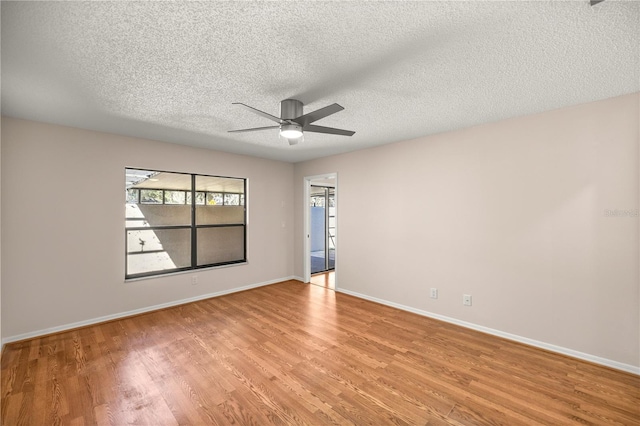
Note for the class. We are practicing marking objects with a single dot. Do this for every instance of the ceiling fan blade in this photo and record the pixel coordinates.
(254, 129)
(329, 130)
(262, 113)
(316, 115)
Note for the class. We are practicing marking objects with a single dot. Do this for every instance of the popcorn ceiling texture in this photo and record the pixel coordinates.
(170, 70)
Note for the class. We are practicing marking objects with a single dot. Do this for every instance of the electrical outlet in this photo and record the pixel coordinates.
(466, 299)
(434, 293)
(194, 280)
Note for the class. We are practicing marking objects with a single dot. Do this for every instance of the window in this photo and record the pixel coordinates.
(231, 199)
(175, 197)
(179, 221)
(215, 198)
(151, 196)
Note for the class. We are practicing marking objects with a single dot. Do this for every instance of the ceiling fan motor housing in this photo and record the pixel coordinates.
(290, 109)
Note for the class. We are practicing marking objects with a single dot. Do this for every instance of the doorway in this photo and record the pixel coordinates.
(320, 222)
(322, 205)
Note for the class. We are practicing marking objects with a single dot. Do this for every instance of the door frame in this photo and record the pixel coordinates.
(306, 261)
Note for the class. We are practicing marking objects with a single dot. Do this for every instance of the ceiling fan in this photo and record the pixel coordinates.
(292, 122)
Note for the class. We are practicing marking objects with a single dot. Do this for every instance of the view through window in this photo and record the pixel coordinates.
(181, 221)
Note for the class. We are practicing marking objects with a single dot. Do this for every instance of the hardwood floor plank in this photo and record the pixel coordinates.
(378, 411)
(407, 409)
(623, 402)
(291, 353)
(102, 415)
(471, 413)
(437, 404)
(521, 404)
(11, 413)
(558, 400)
(242, 411)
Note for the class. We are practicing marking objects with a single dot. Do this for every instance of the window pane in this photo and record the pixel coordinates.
(219, 184)
(220, 190)
(151, 196)
(132, 195)
(158, 250)
(317, 201)
(231, 199)
(157, 215)
(199, 198)
(174, 197)
(135, 176)
(219, 215)
(169, 181)
(219, 245)
(214, 199)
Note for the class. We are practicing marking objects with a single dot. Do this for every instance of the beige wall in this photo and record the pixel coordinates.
(1, 344)
(512, 213)
(63, 225)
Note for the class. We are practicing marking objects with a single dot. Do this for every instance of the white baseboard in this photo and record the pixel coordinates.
(531, 342)
(112, 317)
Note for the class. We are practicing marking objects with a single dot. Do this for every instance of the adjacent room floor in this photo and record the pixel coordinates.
(325, 279)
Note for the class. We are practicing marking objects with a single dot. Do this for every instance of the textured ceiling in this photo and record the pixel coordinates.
(170, 70)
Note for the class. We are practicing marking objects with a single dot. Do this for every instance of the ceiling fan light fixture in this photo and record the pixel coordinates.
(291, 131)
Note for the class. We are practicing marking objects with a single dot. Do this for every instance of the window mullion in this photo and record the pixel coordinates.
(194, 242)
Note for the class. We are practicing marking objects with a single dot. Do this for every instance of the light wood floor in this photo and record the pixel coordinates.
(292, 353)
(324, 279)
